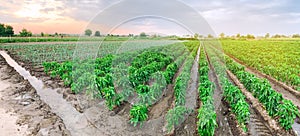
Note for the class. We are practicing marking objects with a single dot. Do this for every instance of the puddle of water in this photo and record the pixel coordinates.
(73, 120)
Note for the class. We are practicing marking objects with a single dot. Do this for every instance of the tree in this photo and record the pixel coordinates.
(276, 36)
(25, 33)
(238, 35)
(130, 35)
(2, 30)
(6, 30)
(42, 34)
(210, 36)
(222, 35)
(196, 36)
(296, 36)
(267, 35)
(143, 34)
(9, 30)
(88, 32)
(97, 33)
(249, 36)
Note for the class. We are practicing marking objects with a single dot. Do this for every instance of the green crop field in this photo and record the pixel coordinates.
(151, 79)
(277, 58)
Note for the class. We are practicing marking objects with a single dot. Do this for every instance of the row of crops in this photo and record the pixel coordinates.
(275, 104)
(178, 113)
(206, 123)
(231, 93)
(58, 39)
(279, 59)
(142, 73)
(36, 54)
(282, 110)
(139, 75)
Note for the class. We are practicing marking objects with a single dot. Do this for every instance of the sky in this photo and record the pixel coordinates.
(169, 17)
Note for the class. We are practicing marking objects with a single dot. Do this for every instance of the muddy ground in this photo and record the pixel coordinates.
(21, 111)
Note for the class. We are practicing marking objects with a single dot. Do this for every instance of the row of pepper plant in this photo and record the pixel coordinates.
(275, 104)
(232, 94)
(279, 59)
(176, 115)
(149, 94)
(207, 117)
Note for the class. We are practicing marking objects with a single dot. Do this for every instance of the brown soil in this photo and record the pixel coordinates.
(161, 107)
(21, 108)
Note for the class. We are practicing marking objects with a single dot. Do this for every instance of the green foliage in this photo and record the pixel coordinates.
(232, 93)
(25, 33)
(146, 64)
(6, 30)
(206, 120)
(275, 104)
(206, 123)
(138, 114)
(143, 89)
(97, 33)
(112, 99)
(277, 58)
(88, 32)
(287, 113)
(175, 116)
(170, 72)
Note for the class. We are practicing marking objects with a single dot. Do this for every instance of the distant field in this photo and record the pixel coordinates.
(58, 38)
(279, 58)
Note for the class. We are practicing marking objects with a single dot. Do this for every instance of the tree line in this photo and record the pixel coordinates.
(89, 32)
(6, 30)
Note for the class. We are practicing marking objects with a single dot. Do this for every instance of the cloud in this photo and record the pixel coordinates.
(250, 16)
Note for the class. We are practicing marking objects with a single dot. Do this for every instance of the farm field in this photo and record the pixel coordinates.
(277, 58)
(170, 87)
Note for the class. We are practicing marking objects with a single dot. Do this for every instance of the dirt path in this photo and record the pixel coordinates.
(21, 110)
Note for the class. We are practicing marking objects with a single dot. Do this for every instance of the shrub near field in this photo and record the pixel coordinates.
(279, 59)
